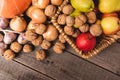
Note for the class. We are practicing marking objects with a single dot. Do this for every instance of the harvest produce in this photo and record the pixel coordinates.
(51, 33)
(83, 5)
(37, 15)
(40, 3)
(110, 25)
(59, 47)
(8, 8)
(27, 48)
(110, 6)
(16, 47)
(9, 54)
(40, 54)
(26, 25)
(86, 42)
(3, 22)
(18, 24)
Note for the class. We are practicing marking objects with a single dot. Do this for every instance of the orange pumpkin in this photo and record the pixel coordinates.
(11, 8)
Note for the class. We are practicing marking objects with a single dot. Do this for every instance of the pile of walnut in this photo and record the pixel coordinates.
(38, 33)
(74, 24)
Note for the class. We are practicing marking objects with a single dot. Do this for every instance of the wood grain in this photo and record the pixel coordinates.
(66, 67)
(108, 58)
(10, 70)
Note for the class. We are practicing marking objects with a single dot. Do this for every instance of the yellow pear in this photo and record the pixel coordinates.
(108, 6)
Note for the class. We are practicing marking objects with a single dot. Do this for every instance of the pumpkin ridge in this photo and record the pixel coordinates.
(16, 6)
(1, 6)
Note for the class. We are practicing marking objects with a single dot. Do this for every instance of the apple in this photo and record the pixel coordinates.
(110, 25)
(85, 42)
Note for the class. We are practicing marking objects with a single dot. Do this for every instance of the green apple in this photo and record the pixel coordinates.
(110, 25)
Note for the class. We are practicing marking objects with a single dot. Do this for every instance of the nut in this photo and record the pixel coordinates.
(62, 39)
(2, 52)
(45, 44)
(96, 30)
(30, 35)
(70, 21)
(84, 28)
(58, 47)
(16, 47)
(80, 20)
(61, 19)
(37, 41)
(27, 48)
(91, 17)
(69, 30)
(40, 29)
(40, 55)
(68, 9)
(9, 54)
(75, 35)
(50, 10)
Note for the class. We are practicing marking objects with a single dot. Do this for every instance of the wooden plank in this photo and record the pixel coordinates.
(66, 67)
(10, 70)
(108, 58)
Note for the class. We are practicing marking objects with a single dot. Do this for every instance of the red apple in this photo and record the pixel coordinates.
(85, 42)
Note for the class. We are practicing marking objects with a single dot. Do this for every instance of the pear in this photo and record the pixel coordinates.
(75, 13)
(83, 5)
(108, 6)
(110, 25)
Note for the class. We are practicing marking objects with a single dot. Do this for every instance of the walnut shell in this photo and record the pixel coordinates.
(9, 54)
(40, 54)
(16, 47)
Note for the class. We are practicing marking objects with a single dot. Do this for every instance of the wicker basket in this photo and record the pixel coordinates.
(104, 42)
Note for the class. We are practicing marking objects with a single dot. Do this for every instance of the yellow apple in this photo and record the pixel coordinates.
(110, 25)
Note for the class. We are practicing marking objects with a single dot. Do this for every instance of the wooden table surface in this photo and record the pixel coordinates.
(65, 66)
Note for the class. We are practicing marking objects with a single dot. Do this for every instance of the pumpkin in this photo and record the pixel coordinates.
(12, 8)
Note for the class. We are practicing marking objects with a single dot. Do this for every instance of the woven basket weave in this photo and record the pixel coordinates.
(103, 43)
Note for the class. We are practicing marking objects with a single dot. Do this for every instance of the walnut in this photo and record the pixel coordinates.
(80, 20)
(68, 9)
(45, 44)
(1, 37)
(40, 54)
(96, 30)
(40, 29)
(84, 28)
(62, 39)
(27, 48)
(69, 30)
(30, 35)
(91, 17)
(58, 47)
(77, 32)
(9, 54)
(50, 10)
(37, 41)
(61, 19)
(70, 21)
(16, 47)
(2, 52)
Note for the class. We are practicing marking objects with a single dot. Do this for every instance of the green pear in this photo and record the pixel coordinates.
(108, 6)
(75, 13)
(83, 5)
